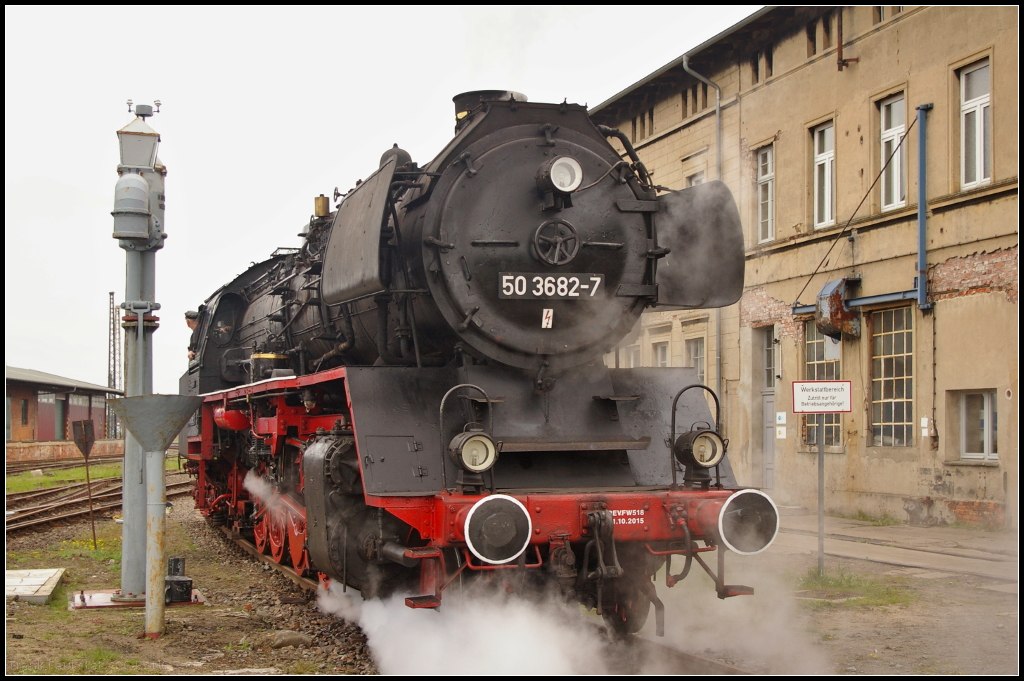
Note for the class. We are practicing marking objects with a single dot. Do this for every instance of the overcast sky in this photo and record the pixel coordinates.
(263, 109)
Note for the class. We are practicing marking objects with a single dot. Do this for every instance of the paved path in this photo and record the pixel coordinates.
(937, 550)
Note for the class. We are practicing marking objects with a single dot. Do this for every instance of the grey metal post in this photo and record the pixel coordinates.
(138, 226)
(154, 420)
(821, 495)
(156, 526)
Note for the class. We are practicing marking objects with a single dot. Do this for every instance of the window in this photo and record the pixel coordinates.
(975, 125)
(695, 356)
(650, 121)
(978, 426)
(683, 105)
(695, 179)
(659, 353)
(769, 66)
(765, 194)
(812, 44)
(892, 378)
(633, 137)
(769, 357)
(633, 360)
(24, 412)
(821, 363)
(826, 32)
(877, 14)
(755, 70)
(894, 190)
(824, 175)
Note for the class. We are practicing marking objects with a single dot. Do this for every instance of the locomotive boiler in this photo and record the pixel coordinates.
(418, 393)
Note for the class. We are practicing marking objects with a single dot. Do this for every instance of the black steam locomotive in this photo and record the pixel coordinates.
(418, 392)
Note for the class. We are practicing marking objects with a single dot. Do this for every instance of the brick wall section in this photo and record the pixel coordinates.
(979, 513)
(757, 308)
(976, 273)
(60, 450)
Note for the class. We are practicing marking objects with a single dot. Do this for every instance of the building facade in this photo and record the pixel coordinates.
(814, 118)
(41, 408)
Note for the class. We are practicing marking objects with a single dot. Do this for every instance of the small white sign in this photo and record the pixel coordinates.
(780, 418)
(822, 397)
(545, 320)
(780, 432)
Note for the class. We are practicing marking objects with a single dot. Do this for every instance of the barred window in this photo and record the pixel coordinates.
(821, 363)
(892, 378)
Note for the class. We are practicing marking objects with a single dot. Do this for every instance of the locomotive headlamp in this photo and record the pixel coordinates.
(563, 174)
(473, 451)
(703, 448)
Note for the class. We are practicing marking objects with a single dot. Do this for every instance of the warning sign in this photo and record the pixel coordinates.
(822, 397)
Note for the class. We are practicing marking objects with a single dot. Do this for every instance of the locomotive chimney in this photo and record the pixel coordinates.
(467, 101)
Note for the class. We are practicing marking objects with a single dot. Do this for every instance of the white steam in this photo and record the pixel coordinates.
(765, 633)
(259, 488)
(485, 634)
(491, 633)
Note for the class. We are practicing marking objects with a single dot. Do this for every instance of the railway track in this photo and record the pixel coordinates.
(23, 466)
(74, 502)
(636, 655)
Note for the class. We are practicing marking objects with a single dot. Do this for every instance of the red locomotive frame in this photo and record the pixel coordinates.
(665, 522)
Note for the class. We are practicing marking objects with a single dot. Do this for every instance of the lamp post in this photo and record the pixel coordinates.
(138, 227)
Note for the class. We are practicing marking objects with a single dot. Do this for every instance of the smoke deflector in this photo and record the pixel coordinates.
(701, 227)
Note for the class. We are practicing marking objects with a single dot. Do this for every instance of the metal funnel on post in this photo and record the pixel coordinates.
(154, 421)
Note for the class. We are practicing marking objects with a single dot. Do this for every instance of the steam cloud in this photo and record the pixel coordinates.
(491, 633)
(259, 488)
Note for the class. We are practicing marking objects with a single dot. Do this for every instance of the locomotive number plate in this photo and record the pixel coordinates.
(531, 286)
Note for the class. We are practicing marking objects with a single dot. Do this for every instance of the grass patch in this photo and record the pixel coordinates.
(878, 521)
(97, 660)
(868, 591)
(26, 482)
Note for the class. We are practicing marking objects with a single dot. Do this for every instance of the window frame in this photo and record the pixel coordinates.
(896, 172)
(693, 361)
(769, 358)
(979, 106)
(656, 350)
(766, 180)
(879, 393)
(827, 160)
(817, 370)
(990, 427)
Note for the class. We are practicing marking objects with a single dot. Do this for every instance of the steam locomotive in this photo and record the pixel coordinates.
(418, 393)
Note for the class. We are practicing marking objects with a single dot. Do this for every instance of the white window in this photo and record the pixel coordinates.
(975, 125)
(695, 356)
(765, 194)
(769, 357)
(695, 179)
(978, 426)
(633, 357)
(894, 190)
(660, 353)
(824, 175)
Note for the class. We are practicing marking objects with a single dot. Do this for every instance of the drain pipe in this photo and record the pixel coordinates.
(922, 205)
(718, 176)
(718, 113)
